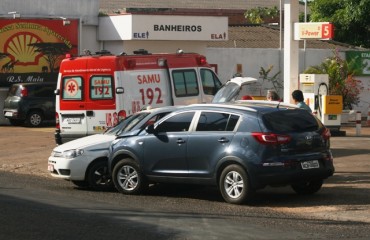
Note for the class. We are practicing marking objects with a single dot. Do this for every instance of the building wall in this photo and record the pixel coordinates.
(86, 10)
(117, 47)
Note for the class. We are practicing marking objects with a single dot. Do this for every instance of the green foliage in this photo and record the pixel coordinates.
(274, 80)
(351, 19)
(341, 80)
(259, 14)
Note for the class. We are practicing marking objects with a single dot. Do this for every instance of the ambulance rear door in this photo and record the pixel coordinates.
(87, 100)
(72, 115)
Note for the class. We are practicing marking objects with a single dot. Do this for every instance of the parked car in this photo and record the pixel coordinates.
(30, 103)
(239, 147)
(84, 161)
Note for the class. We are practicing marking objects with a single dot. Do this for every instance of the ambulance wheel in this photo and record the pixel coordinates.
(98, 176)
(35, 119)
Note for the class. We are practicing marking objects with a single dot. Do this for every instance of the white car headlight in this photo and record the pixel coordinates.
(73, 153)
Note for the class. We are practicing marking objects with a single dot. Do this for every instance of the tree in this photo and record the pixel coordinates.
(341, 79)
(52, 52)
(351, 19)
(260, 14)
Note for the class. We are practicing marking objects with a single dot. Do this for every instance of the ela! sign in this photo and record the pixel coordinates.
(313, 30)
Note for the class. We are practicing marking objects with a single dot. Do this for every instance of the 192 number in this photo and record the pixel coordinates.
(149, 94)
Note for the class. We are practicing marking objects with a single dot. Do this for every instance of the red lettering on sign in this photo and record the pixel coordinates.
(217, 36)
(150, 94)
(108, 119)
(102, 82)
(146, 79)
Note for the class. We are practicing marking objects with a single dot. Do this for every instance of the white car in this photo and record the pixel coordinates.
(84, 161)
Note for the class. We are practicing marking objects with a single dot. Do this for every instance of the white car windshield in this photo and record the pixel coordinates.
(127, 124)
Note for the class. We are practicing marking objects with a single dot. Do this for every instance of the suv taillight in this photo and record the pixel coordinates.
(271, 138)
(57, 124)
(326, 133)
(24, 92)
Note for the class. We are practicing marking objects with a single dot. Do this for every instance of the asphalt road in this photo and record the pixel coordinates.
(35, 206)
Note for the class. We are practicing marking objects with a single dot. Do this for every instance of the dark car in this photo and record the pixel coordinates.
(239, 147)
(30, 103)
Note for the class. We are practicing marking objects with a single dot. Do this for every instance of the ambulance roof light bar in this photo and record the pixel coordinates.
(103, 52)
(201, 60)
(141, 51)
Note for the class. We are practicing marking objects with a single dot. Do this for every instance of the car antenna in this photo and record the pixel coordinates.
(278, 105)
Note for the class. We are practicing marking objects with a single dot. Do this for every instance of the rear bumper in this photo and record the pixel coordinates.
(13, 114)
(275, 176)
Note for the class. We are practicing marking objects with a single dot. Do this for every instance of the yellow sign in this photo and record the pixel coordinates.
(332, 104)
(313, 30)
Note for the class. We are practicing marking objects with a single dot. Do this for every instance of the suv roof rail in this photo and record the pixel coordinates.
(276, 104)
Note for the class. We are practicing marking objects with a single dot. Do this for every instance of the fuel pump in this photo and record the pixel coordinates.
(328, 108)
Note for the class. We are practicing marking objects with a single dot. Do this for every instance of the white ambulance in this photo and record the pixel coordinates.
(94, 92)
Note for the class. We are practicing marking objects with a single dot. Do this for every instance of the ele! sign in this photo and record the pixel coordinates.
(313, 30)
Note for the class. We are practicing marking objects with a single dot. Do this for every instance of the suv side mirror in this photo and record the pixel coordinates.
(56, 91)
(150, 129)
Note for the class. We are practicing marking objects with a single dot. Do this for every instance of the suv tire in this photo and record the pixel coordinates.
(35, 119)
(128, 177)
(98, 176)
(234, 184)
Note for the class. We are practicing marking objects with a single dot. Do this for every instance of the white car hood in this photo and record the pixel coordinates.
(101, 140)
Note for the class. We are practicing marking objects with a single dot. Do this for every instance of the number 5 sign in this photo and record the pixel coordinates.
(313, 30)
(327, 31)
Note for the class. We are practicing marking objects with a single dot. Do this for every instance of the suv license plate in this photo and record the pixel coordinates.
(310, 164)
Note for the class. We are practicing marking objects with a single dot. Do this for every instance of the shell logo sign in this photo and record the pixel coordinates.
(31, 50)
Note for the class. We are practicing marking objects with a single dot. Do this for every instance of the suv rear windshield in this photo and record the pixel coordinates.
(291, 121)
(13, 91)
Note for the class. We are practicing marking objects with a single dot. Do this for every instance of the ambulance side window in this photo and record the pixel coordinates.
(211, 84)
(101, 87)
(72, 88)
(185, 83)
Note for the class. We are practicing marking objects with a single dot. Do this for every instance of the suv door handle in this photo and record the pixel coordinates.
(223, 140)
(180, 141)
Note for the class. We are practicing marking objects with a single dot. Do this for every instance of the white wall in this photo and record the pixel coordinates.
(87, 10)
(89, 40)
(116, 47)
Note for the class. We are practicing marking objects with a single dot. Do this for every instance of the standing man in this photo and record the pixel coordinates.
(297, 96)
